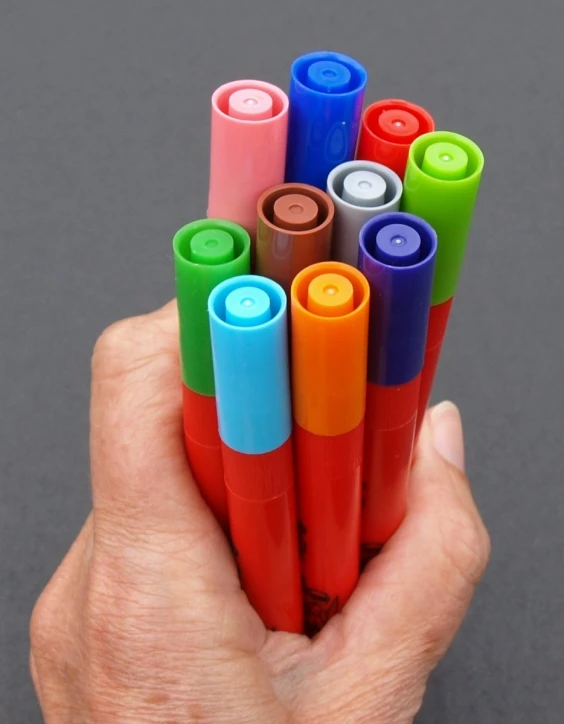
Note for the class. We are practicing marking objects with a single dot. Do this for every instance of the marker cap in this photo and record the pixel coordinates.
(355, 188)
(397, 256)
(295, 225)
(388, 129)
(205, 253)
(247, 317)
(442, 181)
(249, 127)
(326, 97)
(330, 304)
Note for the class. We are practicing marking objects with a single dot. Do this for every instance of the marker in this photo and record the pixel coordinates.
(205, 253)
(397, 256)
(360, 190)
(441, 185)
(295, 225)
(326, 97)
(249, 128)
(330, 305)
(388, 129)
(248, 320)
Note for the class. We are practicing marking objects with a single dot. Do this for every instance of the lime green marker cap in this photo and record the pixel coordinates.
(441, 185)
(206, 252)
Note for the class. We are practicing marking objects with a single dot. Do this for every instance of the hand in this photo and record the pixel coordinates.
(145, 621)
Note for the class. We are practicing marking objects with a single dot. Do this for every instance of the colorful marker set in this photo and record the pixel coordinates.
(313, 301)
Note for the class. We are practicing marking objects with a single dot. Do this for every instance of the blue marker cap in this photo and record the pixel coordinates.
(397, 256)
(248, 324)
(326, 97)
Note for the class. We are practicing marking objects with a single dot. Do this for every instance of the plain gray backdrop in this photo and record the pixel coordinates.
(104, 113)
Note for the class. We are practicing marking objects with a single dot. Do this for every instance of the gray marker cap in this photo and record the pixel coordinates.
(360, 190)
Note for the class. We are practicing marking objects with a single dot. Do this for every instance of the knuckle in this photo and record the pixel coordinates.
(133, 347)
(47, 639)
(466, 545)
(38, 626)
(113, 348)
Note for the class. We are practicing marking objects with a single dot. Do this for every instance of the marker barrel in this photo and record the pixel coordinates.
(326, 97)
(248, 322)
(294, 230)
(249, 125)
(441, 185)
(397, 256)
(206, 252)
(359, 190)
(330, 305)
(438, 321)
(388, 129)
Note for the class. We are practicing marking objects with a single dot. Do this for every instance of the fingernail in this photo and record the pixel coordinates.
(447, 433)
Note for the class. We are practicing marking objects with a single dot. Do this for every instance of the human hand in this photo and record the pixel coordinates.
(145, 620)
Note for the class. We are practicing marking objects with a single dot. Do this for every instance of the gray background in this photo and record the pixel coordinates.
(103, 155)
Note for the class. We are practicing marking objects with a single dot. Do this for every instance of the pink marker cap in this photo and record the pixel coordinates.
(249, 128)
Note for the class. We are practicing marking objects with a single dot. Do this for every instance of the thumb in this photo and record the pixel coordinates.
(412, 598)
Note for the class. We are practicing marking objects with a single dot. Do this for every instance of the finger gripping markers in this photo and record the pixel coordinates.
(326, 97)
(205, 253)
(441, 185)
(295, 224)
(397, 256)
(388, 129)
(359, 190)
(250, 354)
(330, 304)
(248, 148)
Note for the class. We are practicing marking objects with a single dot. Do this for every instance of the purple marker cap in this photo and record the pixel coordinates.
(397, 256)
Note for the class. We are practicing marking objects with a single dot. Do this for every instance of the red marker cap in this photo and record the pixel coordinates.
(388, 129)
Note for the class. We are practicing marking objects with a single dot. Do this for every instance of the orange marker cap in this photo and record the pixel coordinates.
(329, 347)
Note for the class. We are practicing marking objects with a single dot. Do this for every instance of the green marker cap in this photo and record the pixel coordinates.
(441, 185)
(206, 252)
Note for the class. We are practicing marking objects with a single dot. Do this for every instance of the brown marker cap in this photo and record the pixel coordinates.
(295, 212)
(295, 225)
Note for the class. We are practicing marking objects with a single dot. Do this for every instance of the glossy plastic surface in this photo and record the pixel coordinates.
(326, 97)
(400, 293)
(329, 353)
(329, 314)
(250, 358)
(388, 448)
(205, 253)
(203, 447)
(329, 471)
(388, 129)
(441, 184)
(438, 322)
(263, 522)
(290, 234)
(357, 202)
(249, 126)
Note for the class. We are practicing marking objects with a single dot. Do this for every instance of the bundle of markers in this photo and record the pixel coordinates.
(313, 302)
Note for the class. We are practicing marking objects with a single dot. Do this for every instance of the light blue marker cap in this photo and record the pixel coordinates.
(248, 324)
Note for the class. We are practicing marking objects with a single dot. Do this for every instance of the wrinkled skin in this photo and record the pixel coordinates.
(145, 621)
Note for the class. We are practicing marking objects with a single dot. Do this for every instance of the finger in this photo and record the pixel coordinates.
(413, 597)
(142, 485)
(447, 433)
